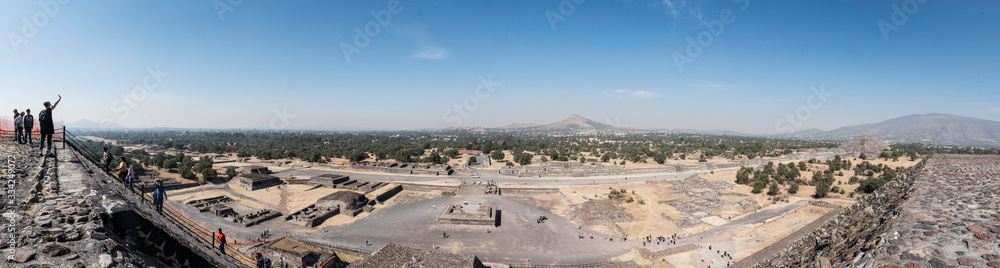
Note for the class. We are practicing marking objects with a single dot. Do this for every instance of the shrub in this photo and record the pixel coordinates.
(774, 190)
(794, 188)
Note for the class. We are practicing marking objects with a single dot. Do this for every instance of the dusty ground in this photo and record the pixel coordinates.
(766, 234)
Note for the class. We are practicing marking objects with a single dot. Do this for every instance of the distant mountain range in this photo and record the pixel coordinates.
(574, 125)
(935, 128)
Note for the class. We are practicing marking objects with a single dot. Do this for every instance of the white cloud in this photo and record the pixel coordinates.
(995, 109)
(431, 53)
(712, 86)
(636, 94)
(426, 48)
(674, 7)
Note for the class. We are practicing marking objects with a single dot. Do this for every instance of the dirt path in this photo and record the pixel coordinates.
(283, 205)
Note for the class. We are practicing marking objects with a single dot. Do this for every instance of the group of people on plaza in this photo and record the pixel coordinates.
(24, 127)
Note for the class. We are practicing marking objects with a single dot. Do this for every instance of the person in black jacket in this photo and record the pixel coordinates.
(45, 126)
(29, 125)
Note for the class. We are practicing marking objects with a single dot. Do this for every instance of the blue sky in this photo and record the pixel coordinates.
(280, 64)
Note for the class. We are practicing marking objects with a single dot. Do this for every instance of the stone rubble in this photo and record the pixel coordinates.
(52, 228)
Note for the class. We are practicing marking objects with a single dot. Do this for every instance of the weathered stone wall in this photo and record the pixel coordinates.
(389, 194)
(427, 188)
(851, 233)
(528, 191)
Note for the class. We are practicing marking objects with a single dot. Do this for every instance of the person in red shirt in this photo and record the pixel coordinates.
(222, 241)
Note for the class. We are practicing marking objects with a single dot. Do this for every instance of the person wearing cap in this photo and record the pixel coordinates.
(46, 127)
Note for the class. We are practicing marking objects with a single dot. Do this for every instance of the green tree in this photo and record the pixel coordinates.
(358, 156)
(822, 190)
(451, 153)
(660, 158)
(207, 175)
(774, 190)
(794, 188)
(472, 159)
(742, 178)
(498, 155)
(231, 172)
(606, 157)
(204, 163)
(169, 164)
(435, 158)
(758, 186)
(523, 158)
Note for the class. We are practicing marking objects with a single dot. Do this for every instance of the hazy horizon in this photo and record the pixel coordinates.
(431, 65)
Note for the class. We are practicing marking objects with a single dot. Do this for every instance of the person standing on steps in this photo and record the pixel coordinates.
(130, 178)
(45, 126)
(29, 125)
(122, 169)
(105, 159)
(222, 241)
(18, 127)
(159, 195)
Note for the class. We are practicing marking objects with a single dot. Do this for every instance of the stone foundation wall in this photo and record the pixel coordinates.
(427, 188)
(389, 194)
(854, 231)
(504, 191)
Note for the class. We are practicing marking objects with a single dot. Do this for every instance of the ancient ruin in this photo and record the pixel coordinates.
(253, 170)
(255, 181)
(864, 144)
(468, 215)
(349, 203)
(404, 168)
(297, 253)
(340, 182)
(393, 255)
(560, 169)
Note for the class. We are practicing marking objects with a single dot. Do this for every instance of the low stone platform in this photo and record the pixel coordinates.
(468, 215)
(255, 181)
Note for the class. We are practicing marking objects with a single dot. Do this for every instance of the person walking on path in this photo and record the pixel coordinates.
(29, 125)
(45, 126)
(159, 195)
(122, 169)
(18, 127)
(222, 241)
(130, 178)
